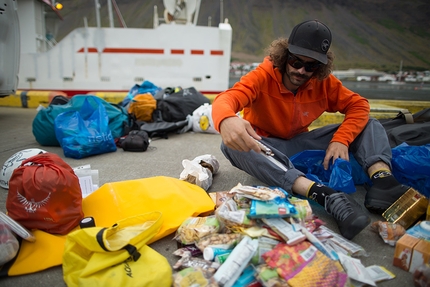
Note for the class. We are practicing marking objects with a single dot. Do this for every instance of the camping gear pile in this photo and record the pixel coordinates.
(86, 125)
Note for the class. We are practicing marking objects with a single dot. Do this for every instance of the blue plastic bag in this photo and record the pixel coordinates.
(85, 132)
(411, 166)
(43, 123)
(341, 176)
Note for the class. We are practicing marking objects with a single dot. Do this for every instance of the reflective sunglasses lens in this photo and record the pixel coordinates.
(311, 67)
(296, 63)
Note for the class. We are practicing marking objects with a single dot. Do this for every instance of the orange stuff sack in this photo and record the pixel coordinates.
(44, 193)
(142, 106)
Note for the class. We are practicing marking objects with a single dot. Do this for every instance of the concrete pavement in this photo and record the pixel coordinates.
(164, 157)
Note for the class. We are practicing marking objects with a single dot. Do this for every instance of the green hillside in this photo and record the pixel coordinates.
(366, 34)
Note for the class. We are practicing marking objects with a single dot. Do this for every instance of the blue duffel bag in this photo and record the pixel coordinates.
(43, 123)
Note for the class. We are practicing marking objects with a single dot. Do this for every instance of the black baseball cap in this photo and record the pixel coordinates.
(310, 39)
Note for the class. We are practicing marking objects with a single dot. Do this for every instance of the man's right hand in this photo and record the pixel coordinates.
(236, 134)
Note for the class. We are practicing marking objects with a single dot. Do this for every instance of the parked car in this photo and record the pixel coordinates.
(387, 78)
(410, 78)
(363, 79)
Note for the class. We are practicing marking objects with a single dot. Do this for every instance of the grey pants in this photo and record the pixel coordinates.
(370, 146)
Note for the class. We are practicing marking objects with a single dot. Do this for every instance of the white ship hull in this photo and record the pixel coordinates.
(92, 59)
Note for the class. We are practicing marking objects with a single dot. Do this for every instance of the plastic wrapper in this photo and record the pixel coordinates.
(303, 207)
(9, 245)
(379, 273)
(356, 270)
(276, 208)
(220, 197)
(389, 232)
(231, 217)
(188, 250)
(264, 245)
(219, 240)
(285, 230)
(200, 170)
(194, 228)
(259, 192)
(187, 261)
(268, 277)
(290, 260)
(320, 271)
(193, 276)
(242, 201)
(339, 243)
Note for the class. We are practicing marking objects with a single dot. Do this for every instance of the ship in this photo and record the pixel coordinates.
(175, 52)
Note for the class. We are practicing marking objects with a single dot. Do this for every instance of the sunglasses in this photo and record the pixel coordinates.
(297, 63)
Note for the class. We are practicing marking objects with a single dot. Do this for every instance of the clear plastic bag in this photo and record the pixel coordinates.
(9, 245)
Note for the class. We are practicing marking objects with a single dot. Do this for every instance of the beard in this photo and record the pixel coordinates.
(295, 78)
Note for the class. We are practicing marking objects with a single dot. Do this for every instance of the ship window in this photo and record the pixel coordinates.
(68, 79)
(138, 79)
(105, 79)
(197, 79)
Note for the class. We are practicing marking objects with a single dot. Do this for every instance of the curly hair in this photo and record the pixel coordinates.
(278, 54)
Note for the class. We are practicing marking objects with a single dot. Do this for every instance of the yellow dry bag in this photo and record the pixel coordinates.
(116, 256)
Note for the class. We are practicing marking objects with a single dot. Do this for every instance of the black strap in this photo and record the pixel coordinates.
(131, 249)
(99, 238)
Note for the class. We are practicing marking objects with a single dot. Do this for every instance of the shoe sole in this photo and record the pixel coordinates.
(376, 206)
(379, 206)
(356, 227)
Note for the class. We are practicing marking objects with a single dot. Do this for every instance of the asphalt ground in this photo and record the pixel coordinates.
(164, 158)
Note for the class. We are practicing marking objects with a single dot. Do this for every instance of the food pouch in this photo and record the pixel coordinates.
(194, 228)
(276, 208)
(290, 260)
(320, 271)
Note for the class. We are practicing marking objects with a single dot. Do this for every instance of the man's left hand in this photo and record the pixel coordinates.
(335, 150)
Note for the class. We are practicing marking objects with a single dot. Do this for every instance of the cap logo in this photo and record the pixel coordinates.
(325, 44)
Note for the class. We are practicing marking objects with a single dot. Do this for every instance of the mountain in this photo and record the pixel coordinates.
(366, 34)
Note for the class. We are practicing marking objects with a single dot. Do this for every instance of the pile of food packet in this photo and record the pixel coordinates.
(262, 236)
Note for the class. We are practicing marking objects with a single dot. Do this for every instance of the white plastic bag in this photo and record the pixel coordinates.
(202, 120)
(200, 170)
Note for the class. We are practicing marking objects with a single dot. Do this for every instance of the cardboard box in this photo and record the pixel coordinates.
(403, 251)
(411, 252)
(420, 255)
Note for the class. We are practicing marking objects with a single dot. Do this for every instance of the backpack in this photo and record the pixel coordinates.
(45, 194)
(142, 106)
(136, 141)
(413, 129)
(176, 106)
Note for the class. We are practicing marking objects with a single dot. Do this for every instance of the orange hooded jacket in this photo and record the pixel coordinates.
(274, 111)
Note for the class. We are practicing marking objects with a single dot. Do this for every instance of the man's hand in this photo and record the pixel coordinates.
(335, 150)
(236, 134)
